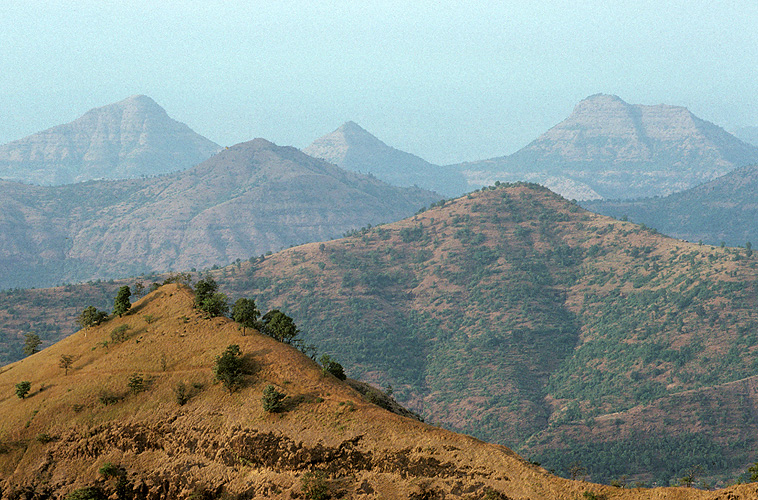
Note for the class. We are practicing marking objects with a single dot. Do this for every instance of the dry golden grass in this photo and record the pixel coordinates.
(60, 435)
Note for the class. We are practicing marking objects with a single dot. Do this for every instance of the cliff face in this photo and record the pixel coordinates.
(619, 150)
(132, 138)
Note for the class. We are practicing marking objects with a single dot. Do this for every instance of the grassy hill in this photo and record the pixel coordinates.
(96, 427)
(520, 318)
(517, 316)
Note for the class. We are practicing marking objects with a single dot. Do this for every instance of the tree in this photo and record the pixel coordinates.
(245, 313)
(215, 305)
(31, 344)
(753, 470)
(65, 362)
(208, 299)
(204, 289)
(121, 305)
(279, 326)
(23, 388)
(272, 399)
(228, 368)
(90, 316)
(328, 365)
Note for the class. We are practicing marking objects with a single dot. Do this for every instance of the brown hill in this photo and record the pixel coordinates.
(131, 138)
(516, 316)
(611, 149)
(249, 199)
(73, 428)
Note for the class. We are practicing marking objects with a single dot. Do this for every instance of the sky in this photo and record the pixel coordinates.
(450, 81)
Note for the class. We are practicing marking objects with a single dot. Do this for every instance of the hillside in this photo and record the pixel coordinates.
(723, 210)
(353, 148)
(520, 318)
(608, 148)
(116, 410)
(247, 200)
(131, 138)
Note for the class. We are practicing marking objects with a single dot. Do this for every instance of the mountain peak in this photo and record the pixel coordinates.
(131, 138)
(354, 148)
(621, 150)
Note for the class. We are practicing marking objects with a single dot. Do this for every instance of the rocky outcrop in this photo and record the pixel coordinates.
(131, 138)
(619, 150)
(353, 148)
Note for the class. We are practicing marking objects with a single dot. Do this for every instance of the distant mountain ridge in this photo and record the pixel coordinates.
(131, 138)
(353, 148)
(611, 149)
(724, 209)
(248, 199)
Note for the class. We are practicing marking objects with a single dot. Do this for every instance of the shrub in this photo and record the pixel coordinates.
(228, 368)
(88, 493)
(328, 365)
(23, 388)
(272, 399)
(44, 438)
(107, 397)
(314, 485)
(136, 383)
(118, 334)
(182, 393)
(108, 470)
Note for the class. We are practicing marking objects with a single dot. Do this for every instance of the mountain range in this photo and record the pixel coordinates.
(131, 138)
(353, 148)
(247, 200)
(722, 210)
(136, 412)
(518, 317)
(608, 148)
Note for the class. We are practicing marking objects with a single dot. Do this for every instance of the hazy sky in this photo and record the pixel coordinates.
(448, 81)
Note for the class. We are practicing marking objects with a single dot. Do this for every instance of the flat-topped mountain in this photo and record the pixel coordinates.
(353, 148)
(611, 149)
(131, 138)
(722, 210)
(136, 412)
(247, 200)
